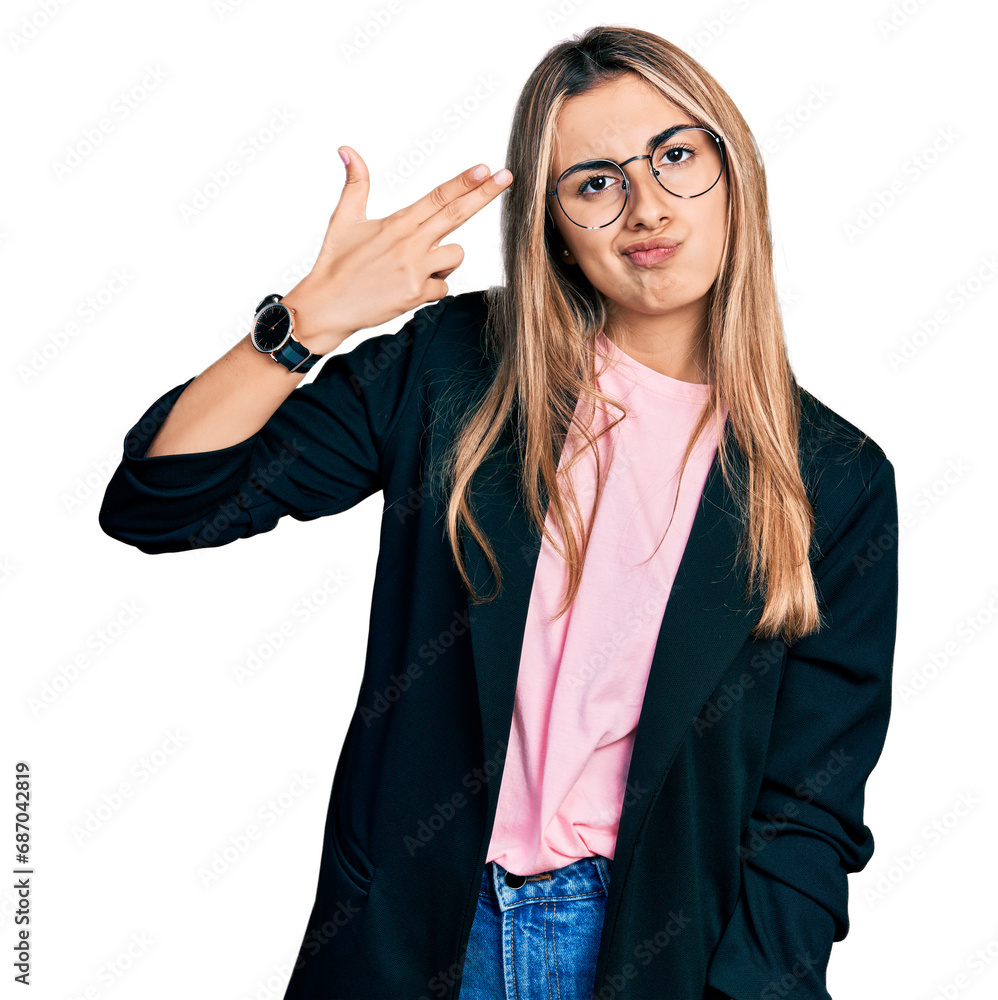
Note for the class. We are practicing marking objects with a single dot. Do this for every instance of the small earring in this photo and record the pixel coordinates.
(565, 251)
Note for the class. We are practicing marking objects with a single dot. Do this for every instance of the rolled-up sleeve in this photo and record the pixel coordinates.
(806, 833)
(318, 454)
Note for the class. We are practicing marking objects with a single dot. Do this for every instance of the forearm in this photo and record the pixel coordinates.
(227, 403)
(232, 398)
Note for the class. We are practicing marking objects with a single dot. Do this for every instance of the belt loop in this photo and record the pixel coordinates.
(603, 868)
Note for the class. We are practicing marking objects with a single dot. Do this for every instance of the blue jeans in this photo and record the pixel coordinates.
(540, 939)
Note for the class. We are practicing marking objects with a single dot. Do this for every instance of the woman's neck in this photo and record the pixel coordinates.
(676, 349)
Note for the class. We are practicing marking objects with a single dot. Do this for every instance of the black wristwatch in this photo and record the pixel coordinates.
(273, 334)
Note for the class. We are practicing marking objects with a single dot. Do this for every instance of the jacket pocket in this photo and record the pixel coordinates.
(352, 861)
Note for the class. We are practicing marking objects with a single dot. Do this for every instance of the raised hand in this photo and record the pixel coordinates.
(369, 271)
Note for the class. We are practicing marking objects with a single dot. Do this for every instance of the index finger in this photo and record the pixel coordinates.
(456, 200)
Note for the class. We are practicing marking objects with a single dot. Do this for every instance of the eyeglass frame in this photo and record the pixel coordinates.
(666, 136)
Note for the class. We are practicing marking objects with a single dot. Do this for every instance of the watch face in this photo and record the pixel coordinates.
(272, 327)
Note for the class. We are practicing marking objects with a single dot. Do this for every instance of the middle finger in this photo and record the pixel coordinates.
(464, 205)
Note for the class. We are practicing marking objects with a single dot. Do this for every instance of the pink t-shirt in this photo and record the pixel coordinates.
(582, 679)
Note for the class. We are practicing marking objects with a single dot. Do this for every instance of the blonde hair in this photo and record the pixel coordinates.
(546, 317)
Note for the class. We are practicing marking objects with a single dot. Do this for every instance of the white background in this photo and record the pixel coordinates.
(121, 909)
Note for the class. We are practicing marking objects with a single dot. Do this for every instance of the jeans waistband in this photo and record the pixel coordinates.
(584, 877)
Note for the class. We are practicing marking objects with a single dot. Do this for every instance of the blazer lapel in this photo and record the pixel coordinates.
(706, 621)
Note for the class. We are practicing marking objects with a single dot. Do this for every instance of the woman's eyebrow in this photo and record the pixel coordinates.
(664, 134)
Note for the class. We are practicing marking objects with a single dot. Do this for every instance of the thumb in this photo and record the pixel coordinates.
(356, 187)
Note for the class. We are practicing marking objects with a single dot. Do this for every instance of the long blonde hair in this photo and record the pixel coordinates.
(546, 317)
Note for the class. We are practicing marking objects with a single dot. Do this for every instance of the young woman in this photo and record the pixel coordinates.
(634, 615)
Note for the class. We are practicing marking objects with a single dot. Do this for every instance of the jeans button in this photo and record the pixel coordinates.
(515, 881)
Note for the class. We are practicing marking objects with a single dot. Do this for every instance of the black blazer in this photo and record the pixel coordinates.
(743, 812)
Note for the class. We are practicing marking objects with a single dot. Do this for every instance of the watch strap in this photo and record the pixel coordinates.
(273, 297)
(295, 356)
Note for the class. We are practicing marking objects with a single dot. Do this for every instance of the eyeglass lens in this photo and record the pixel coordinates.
(687, 164)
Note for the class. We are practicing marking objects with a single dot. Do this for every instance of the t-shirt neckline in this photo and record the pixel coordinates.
(651, 379)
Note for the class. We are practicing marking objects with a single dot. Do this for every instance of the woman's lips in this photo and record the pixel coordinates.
(646, 257)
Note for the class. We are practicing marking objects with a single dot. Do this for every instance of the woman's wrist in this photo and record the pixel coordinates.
(317, 342)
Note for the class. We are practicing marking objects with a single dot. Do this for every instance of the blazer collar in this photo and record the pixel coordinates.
(706, 621)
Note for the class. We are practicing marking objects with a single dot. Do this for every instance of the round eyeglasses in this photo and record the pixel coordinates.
(687, 163)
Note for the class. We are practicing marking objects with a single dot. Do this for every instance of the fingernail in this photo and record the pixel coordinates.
(501, 176)
(479, 172)
(345, 157)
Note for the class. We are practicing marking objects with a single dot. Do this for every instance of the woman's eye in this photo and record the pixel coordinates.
(596, 184)
(672, 157)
